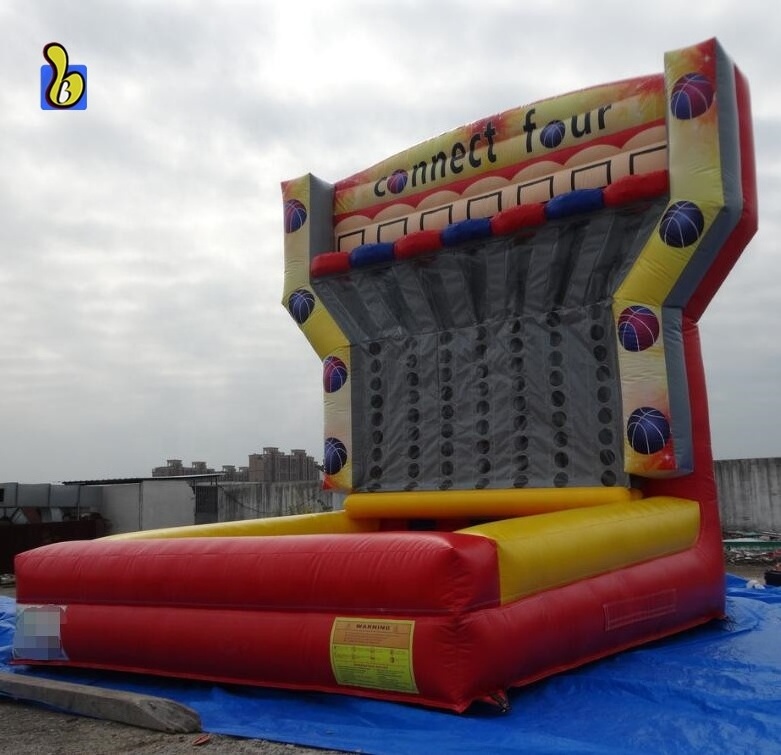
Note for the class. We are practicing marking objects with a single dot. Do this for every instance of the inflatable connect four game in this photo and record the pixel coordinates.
(514, 402)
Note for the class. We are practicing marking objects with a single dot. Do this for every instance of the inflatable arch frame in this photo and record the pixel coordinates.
(514, 400)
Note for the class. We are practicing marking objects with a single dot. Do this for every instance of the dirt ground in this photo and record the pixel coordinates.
(32, 730)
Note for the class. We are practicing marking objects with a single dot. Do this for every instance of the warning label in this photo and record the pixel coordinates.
(373, 653)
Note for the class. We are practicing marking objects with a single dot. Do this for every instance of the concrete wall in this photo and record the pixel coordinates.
(749, 494)
(254, 500)
(148, 505)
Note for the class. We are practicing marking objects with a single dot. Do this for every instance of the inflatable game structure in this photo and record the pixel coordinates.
(514, 400)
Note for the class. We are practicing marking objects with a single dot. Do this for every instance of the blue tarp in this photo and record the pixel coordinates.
(712, 689)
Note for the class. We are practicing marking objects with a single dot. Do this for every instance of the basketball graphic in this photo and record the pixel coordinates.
(397, 181)
(335, 455)
(647, 430)
(334, 374)
(295, 215)
(553, 134)
(638, 328)
(300, 304)
(691, 96)
(681, 224)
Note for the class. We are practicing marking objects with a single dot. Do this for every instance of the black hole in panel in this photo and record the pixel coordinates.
(558, 398)
(600, 353)
(375, 366)
(446, 484)
(481, 333)
(520, 443)
(482, 427)
(519, 422)
(413, 452)
(376, 401)
(374, 348)
(445, 337)
(414, 397)
(482, 371)
(519, 404)
(516, 345)
(413, 433)
(447, 412)
(447, 430)
(606, 436)
(521, 481)
(483, 407)
(597, 332)
(483, 446)
(375, 384)
(561, 459)
(516, 364)
(559, 419)
(413, 470)
(446, 374)
(608, 478)
(605, 415)
(519, 384)
(447, 468)
(515, 327)
(607, 457)
(561, 439)
(561, 480)
(553, 319)
(445, 356)
(603, 394)
(555, 339)
(375, 473)
(446, 393)
(377, 418)
(482, 388)
(556, 377)
(412, 362)
(483, 482)
(412, 378)
(603, 373)
(483, 466)
(377, 437)
(480, 350)
(446, 449)
(522, 462)
(376, 454)
(413, 415)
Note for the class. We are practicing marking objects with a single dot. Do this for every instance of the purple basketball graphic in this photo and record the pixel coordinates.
(295, 215)
(335, 456)
(647, 430)
(552, 134)
(397, 181)
(638, 328)
(681, 224)
(691, 96)
(300, 304)
(334, 374)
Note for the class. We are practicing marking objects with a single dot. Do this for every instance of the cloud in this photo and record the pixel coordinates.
(141, 239)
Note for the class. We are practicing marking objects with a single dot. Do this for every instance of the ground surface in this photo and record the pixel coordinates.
(31, 730)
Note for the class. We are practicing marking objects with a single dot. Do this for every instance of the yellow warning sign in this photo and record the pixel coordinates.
(374, 653)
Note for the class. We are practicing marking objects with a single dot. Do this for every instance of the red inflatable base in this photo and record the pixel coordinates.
(404, 616)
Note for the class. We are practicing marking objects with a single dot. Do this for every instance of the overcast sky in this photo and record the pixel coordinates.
(141, 239)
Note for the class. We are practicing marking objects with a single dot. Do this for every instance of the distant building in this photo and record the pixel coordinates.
(274, 466)
(270, 466)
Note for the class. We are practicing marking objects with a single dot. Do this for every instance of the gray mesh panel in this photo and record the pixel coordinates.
(491, 365)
